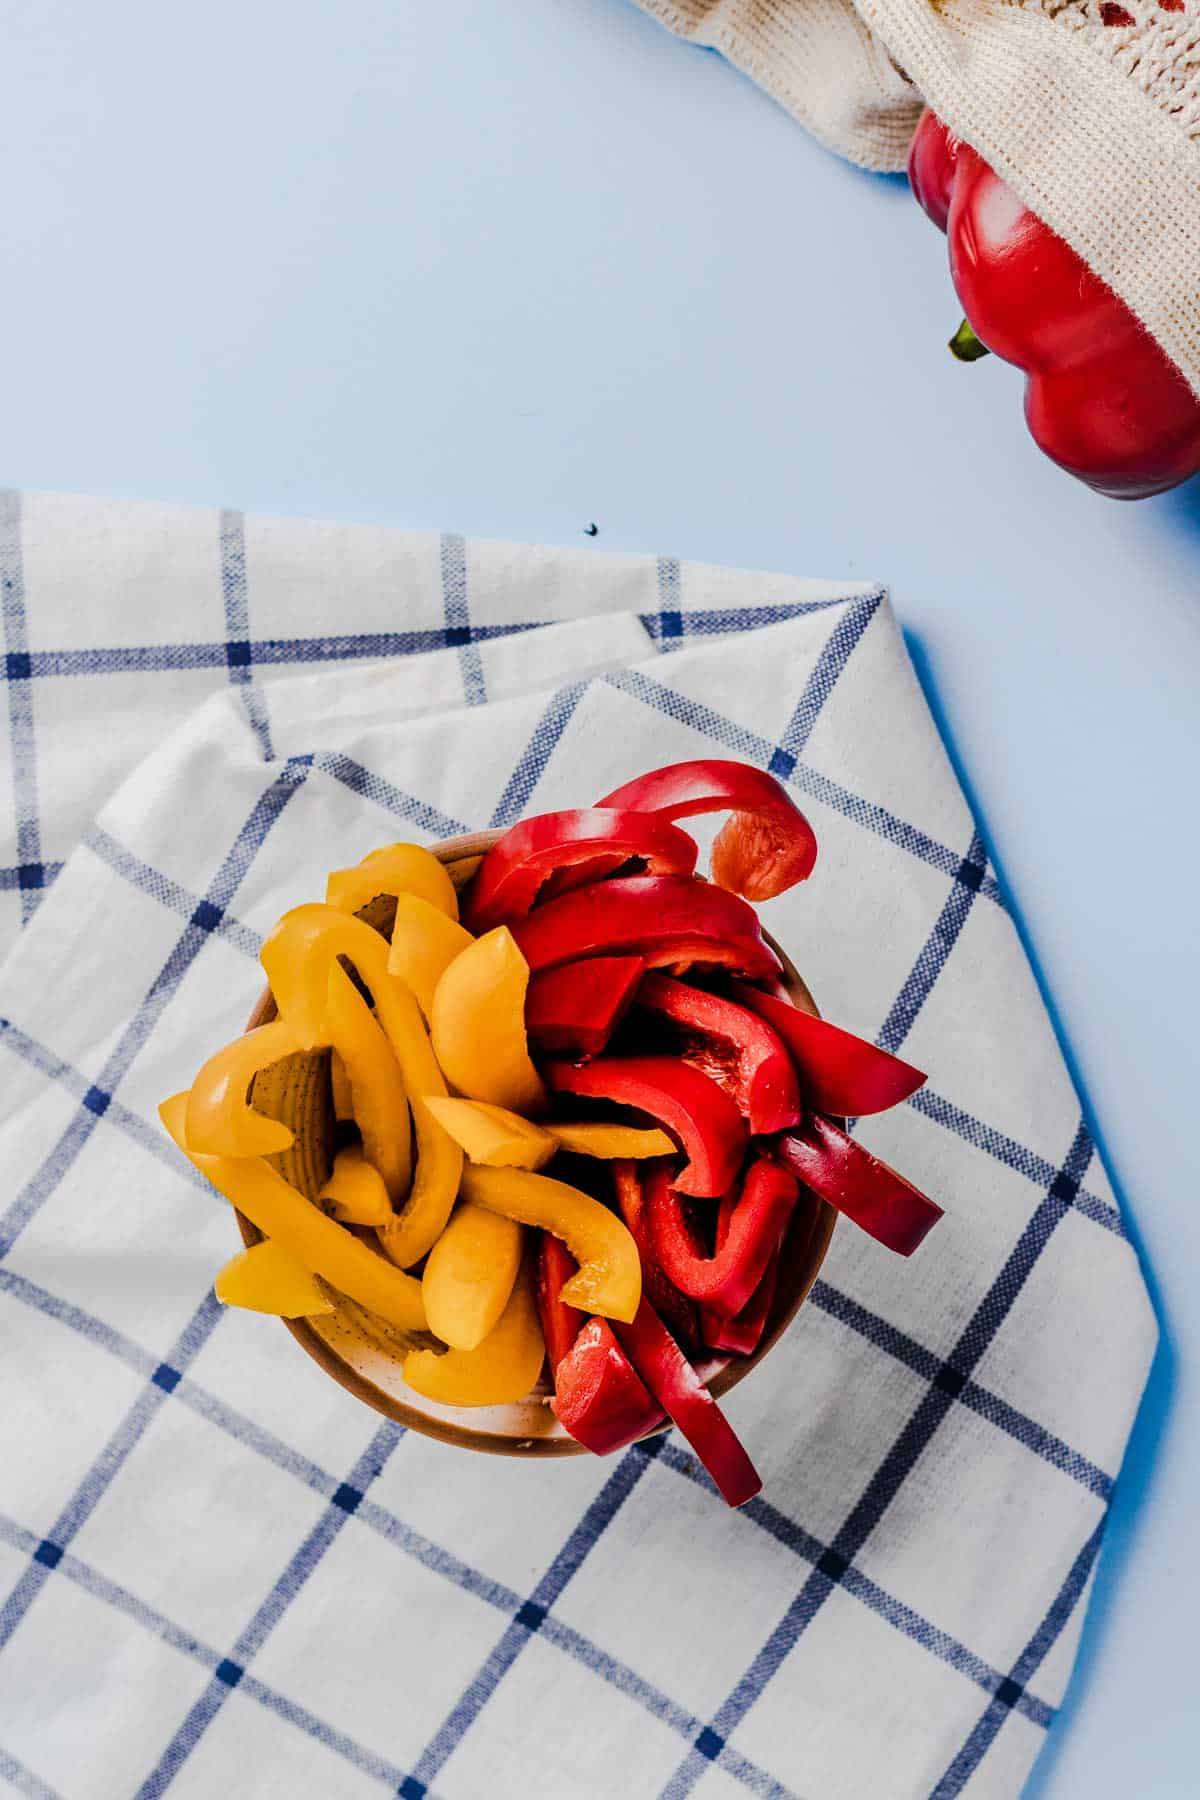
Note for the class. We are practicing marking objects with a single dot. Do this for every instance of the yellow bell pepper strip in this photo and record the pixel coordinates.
(220, 1118)
(493, 1135)
(503, 1368)
(268, 1278)
(396, 869)
(282, 1213)
(355, 1191)
(609, 1281)
(297, 957)
(424, 944)
(376, 1084)
(343, 1093)
(478, 1025)
(469, 1275)
(594, 1137)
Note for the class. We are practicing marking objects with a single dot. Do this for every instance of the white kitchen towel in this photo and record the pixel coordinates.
(1089, 109)
(219, 1572)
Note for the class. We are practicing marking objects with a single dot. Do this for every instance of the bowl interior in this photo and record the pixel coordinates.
(366, 1356)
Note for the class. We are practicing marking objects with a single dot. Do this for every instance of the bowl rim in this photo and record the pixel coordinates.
(805, 1255)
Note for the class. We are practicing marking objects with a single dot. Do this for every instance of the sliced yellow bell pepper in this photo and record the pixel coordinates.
(424, 943)
(268, 1278)
(297, 957)
(593, 1137)
(503, 1368)
(469, 1275)
(376, 1084)
(355, 1190)
(478, 1025)
(609, 1279)
(396, 869)
(220, 1118)
(493, 1135)
(343, 1093)
(281, 1212)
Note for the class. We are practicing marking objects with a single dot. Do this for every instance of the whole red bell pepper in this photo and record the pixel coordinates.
(754, 1226)
(561, 1324)
(765, 846)
(732, 1044)
(675, 1309)
(839, 1072)
(598, 1395)
(507, 881)
(843, 1172)
(1101, 398)
(697, 1113)
(573, 1010)
(664, 919)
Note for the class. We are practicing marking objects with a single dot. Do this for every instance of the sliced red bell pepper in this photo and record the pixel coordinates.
(756, 1223)
(561, 1324)
(839, 1073)
(742, 1334)
(512, 873)
(766, 845)
(678, 1389)
(696, 1112)
(661, 918)
(843, 1172)
(732, 1044)
(598, 1395)
(574, 1009)
(674, 1308)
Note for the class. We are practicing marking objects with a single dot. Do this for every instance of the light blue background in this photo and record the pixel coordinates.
(509, 268)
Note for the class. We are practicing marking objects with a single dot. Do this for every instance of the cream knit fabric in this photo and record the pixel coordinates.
(1090, 109)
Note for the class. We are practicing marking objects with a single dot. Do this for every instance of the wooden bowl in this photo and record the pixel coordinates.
(365, 1355)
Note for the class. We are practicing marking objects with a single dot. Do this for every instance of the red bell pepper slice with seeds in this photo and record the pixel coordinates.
(664, 919)
(764, 847)
(574, 1009)
(688, 1104)
(843, 1172)
(599, 1396)
(727, 1278)
(839, 1073)
(678, 1389)
(674, 1308)
(510, 876)
(561, 1324)
(734, 1045)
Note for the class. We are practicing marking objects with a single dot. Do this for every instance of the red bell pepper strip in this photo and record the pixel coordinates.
(561, 1324)
(573, 1010)
(1101, 398)
(674, 1308)
(664, 919)
(839, 1073)
(513, 871)
(678, 1389)
(696, 1112)
(844, 1173)
(733, 1045)
(598, 1395)
(765, 846)
(742, 1334)
(728, 1278)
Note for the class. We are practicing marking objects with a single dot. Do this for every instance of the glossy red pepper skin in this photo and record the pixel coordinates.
(742, 1334)
(510, 876)
(764, 847)
(839, 1073)
(573, 1010)
(678, 1389)
(673, 1308)
(561, 1324)
(697, 1113)
(599, 1397)
(756, 1222)
(732, 1044)
(664, 919)
(843, 1172)
(1101, 398)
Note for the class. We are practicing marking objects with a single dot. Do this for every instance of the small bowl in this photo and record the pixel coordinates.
(366, 1356)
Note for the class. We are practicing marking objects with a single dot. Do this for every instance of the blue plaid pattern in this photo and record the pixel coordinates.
(903, 1384)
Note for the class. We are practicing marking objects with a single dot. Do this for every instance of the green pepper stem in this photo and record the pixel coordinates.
(966, 346)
